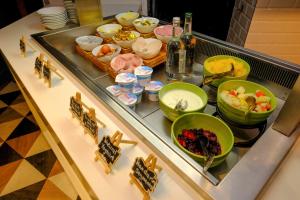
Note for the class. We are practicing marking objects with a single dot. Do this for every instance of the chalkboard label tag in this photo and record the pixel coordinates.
(22, 46)
(47, 73)
(38, 65)
(109, 150)
(144, 175)
(89, 123)
(76, 106)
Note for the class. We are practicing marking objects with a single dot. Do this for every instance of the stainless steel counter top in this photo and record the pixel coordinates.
(242, 167)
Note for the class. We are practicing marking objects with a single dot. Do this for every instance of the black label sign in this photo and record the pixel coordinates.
(146, 177)
(109, 151)
(22, 46)
(90, 124)
(47, 73)
(38, 65)
(76, 108)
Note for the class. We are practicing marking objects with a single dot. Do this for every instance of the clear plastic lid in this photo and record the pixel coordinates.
(114, 90)
(125, 78)
(128, 99)
(143, 71)
(154, 86)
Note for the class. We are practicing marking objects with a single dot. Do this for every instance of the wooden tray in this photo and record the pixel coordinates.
(153, 62)
(89, 56)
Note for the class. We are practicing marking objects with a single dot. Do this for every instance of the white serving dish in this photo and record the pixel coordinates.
(126, 18)
(147, 48)
(88, 42)
(166, 38)
(108, 30)
(109, 57)
(51, 10)
(127, 43)
(145, 28)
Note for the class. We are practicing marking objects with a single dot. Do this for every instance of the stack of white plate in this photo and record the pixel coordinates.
(71, 10)
(53, 17)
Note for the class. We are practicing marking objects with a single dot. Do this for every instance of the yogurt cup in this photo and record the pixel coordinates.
(152, 90)
(125, 81)
(128, 99)
(143, 75)
(114, 90)
(137, 90)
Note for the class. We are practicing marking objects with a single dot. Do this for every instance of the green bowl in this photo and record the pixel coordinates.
(169, 112)
(238, 115)
(216, 83)
(207, 122)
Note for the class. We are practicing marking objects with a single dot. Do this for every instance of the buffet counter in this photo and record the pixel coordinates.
(76, 150)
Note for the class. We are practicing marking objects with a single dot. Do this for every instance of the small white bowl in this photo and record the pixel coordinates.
(126, 43)
(107, 58)
(147, 48)
(126, 18)
(168, 29)
(108, 30)
(88, 42)
(140, 25)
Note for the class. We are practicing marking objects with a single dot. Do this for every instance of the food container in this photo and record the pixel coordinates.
(137, 90)
(126, 18)
(125, 63)
(88, 42)
(169, 111)
(238, 115)
(215, 62)
(164, 33)
(145, 24)
(125, 81)
(143, 75)
(207, 122)
(109, 57)
(152, 89)
(126, 38)
(147, 48)
(114, 90)
(128, 99)
(108, 30)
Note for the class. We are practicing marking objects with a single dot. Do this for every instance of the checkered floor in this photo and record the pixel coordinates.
(29, 169)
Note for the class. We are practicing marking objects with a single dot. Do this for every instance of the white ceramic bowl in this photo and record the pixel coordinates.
(109, 57)
(126, 18)
(48, 11)
(165, 38)
(108, 30)
(142, 28)
(147, 48)
(127, 43)
(88, 42)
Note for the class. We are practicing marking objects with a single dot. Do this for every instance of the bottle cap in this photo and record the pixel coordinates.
(188, 14)
(176, 19)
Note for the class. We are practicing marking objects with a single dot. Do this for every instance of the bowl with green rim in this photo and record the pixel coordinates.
(170, 112)
(238, 115)
(241, 70)
(207, 122)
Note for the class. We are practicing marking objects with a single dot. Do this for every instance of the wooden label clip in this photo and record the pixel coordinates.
(22, 45)
(89, 123)
(144, 175)
(38, 65)
(47, 75)
(109, 150)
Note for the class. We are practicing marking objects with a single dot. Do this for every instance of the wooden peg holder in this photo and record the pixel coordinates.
(116, 140)
(23, 44)
(40, 58)
(77, 99)
(151, 165)
(91, 114)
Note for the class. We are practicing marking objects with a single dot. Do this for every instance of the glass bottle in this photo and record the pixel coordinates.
(189, 43)
(174, 55)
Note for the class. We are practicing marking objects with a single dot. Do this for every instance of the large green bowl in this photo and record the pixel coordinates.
(216, 83)
(238, 115)
(207, 122)
(169, 112)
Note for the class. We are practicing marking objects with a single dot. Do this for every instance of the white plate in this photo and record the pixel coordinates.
(51, 10)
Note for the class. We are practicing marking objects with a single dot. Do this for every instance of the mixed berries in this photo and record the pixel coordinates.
(194, 139)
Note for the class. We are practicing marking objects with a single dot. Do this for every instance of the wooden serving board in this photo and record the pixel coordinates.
(153, 62)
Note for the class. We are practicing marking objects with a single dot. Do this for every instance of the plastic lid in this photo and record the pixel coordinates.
(128, 99)
(137, 89)
(143, 70)
(125, 78)
(114, 90)
(154, 86)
